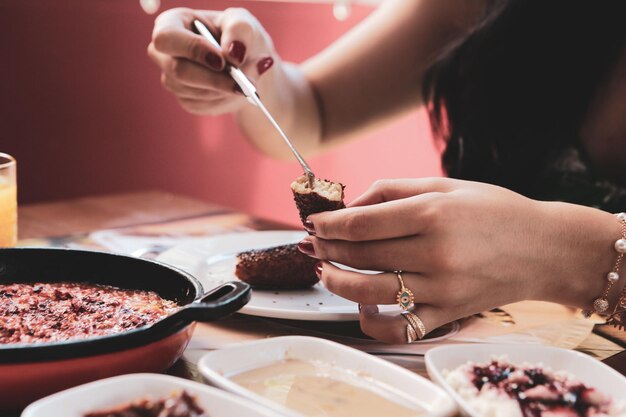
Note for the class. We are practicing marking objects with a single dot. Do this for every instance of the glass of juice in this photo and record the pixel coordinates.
(8, 201)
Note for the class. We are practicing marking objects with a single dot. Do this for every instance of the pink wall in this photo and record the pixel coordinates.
(82, 109)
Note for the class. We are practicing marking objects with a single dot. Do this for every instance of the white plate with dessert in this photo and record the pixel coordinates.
(302, 376)
(512, 380)
(213, 261)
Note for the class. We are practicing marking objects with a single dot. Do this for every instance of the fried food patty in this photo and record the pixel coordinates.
(323, 196)
(281, 267)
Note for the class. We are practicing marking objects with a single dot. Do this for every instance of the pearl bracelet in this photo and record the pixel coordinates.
(601, 304)
(618, 316)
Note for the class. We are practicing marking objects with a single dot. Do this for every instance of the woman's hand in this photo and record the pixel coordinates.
(322, 101)
(464, 248)
(192, 68)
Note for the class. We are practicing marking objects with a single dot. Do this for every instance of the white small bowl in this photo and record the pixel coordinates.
(111, 392)
(584, 368)
(218, 365)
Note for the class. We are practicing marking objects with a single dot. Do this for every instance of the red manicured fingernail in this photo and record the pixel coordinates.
(318, 269)
(306, 247)
(214, 61)
(237, 50)
(264, 64)
(309, 227)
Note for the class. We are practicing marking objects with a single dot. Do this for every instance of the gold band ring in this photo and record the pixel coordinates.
(411, 330)
(416, 323)
(411, 333)
(404, 297)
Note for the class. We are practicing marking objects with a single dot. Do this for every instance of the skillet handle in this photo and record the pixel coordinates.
(217, 303)
(222, 301)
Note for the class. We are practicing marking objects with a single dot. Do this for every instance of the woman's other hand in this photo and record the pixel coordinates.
(193, 69)
(464, 247)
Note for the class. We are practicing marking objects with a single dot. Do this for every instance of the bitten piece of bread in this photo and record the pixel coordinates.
(323, 196)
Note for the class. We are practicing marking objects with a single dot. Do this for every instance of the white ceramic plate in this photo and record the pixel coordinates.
(213, 260)
(111, 392)
(588, 370)
(216, 366)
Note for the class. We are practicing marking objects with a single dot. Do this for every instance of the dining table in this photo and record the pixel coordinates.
(68, 221)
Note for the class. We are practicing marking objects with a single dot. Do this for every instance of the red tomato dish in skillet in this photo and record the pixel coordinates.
(50, 312)
(68, 317)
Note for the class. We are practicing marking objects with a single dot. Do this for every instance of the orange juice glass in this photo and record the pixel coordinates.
(8, 201)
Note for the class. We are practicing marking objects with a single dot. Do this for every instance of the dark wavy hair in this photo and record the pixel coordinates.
(513, 91)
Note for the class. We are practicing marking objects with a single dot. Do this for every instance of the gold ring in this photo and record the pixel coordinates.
(416, 322)
(411, 333)
(411, 330)
(405, 297)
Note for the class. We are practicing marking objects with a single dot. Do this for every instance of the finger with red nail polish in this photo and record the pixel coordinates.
(306, 247)
(237, 51)
(309, 227)
(264, 64)
(192, 68)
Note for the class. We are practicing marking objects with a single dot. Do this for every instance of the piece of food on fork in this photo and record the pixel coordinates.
(280, 267)
(316, 196)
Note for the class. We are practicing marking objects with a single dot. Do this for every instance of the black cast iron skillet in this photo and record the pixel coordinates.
(29, 265)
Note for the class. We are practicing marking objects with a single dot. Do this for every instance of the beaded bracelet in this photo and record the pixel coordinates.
(618, 316)
(601, 304)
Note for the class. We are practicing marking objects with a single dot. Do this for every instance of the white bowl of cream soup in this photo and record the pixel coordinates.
(310, 377)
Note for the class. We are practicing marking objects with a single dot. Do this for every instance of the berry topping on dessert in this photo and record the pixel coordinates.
(500, 388)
